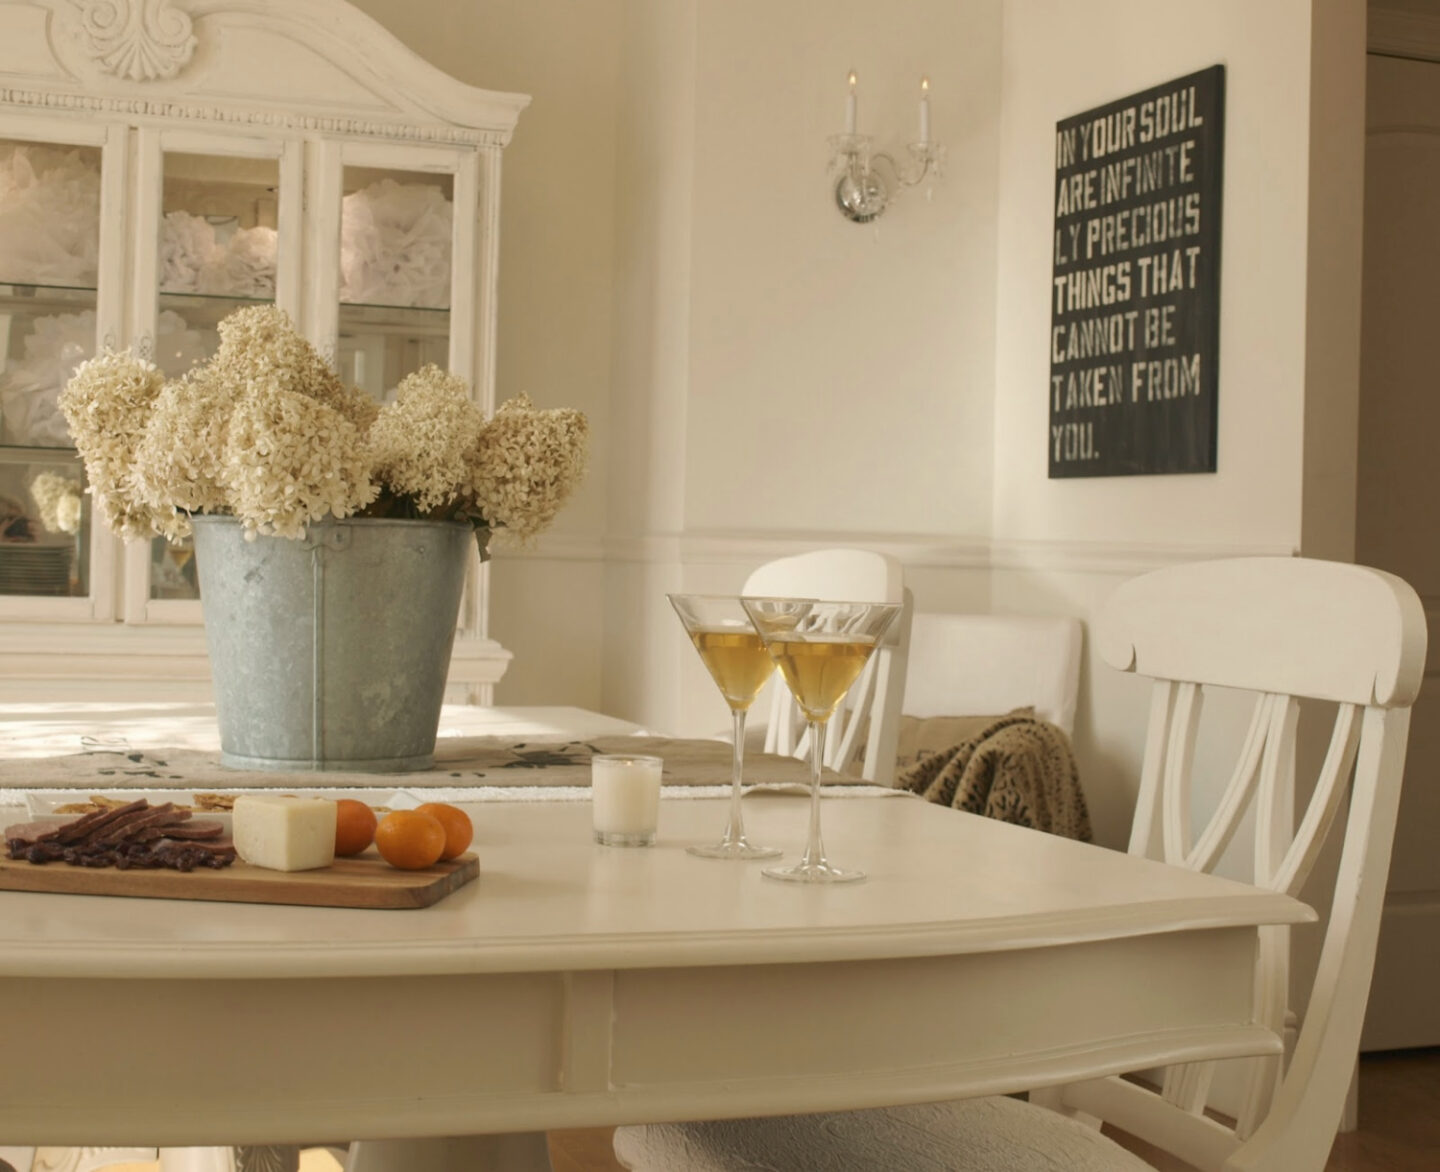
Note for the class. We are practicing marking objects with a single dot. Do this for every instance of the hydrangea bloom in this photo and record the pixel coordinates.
(526, 463)
(177, 463)
(58, 498)
(289, 460)
(107, 404)
(422, 441)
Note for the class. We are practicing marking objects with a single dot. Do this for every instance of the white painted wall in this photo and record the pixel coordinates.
(1289, 320)
(839, 373)
(779, 374)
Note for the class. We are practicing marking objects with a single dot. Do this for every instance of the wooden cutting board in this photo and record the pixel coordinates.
(364, 881)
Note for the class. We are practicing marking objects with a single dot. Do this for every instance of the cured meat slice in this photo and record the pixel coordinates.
(87, 824)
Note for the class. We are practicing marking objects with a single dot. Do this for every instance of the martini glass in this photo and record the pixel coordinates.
(739, 664)
(821, 648)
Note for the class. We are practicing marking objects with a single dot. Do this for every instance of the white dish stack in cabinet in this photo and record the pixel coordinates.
(163, 163)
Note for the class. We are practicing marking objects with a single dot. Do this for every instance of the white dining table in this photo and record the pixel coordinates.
(579, 985)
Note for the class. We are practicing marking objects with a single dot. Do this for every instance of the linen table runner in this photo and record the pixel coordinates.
(461, 763)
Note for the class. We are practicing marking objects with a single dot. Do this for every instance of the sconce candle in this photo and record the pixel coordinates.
(850, 106)
(625, 797)
(924, 110)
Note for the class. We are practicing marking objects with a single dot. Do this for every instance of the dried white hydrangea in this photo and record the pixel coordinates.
(526, 463)
(421, 443)
(107, 404)
(177, 465)
(265, 431)
(260, 345)
(289, 460)
(58, 498)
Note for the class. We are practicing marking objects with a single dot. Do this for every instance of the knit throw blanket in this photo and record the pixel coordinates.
(1017, 770)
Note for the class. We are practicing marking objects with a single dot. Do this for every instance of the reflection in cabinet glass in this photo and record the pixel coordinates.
(218, 250)
(396, 233)
(44, 523)
(49, 256)
(49, 263)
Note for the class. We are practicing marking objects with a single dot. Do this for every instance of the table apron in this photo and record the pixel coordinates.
(175, 1062)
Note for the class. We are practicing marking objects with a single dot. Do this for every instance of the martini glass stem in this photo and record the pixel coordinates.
(735, 832)
(814, 846)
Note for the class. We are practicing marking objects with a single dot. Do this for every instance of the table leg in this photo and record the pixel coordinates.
(515, 1152)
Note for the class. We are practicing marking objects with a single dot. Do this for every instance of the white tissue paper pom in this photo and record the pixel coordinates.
(49, 216)
(395, 245)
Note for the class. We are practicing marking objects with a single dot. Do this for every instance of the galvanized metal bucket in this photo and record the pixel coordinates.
(331, 652)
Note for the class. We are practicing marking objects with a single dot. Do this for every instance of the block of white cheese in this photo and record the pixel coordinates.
(284, 833)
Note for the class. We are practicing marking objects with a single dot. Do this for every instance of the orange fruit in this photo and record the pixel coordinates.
(458, 831)
(409, 839)
(354, 826)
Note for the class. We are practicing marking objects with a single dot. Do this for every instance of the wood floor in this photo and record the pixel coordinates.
(1399, 1125)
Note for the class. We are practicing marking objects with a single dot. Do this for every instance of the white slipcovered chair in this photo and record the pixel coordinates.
(872, 709)
(1282, 628)
(988, 664)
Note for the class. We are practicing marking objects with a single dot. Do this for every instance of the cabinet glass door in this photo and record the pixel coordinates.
(50, 195)
(218, 251)
(396, 232)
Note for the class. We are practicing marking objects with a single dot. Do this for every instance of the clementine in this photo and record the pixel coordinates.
(409, 839)
(458, 831)
(354, 826)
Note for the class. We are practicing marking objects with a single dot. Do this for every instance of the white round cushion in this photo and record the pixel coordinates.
(972, 1135)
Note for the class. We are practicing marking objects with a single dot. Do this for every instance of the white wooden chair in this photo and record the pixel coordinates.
(1285, 629)
(844, 575)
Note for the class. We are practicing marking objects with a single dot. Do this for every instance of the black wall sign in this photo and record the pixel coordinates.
(1135, 301)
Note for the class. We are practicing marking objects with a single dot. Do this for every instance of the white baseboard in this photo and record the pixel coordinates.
(60, 662)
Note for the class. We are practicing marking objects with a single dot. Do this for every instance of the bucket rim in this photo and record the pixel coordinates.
(229, 520)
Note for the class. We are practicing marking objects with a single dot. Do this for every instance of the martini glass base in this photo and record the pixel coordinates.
(734, 850)
(821, 872)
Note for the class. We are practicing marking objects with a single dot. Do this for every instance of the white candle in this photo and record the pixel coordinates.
(850, 106)
(924, 110)
(625, 799)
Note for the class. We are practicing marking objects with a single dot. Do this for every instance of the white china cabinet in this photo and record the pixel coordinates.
(162, 163)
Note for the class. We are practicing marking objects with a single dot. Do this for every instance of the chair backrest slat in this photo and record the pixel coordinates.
(1275, 803)
(1179, 756)
(1145, 837)
(1239, 791)
(1331, 788)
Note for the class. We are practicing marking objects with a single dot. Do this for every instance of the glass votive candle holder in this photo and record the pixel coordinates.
(625, 798)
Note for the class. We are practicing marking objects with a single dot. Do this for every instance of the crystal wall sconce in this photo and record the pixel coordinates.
(862, 192)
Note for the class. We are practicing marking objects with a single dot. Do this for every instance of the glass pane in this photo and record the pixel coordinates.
(395, 245)
(218, 252)
(44, 523)
(49, 246)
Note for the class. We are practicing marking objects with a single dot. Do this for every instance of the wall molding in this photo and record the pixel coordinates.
(1394, 33)
(931, 551)
(151, 661)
